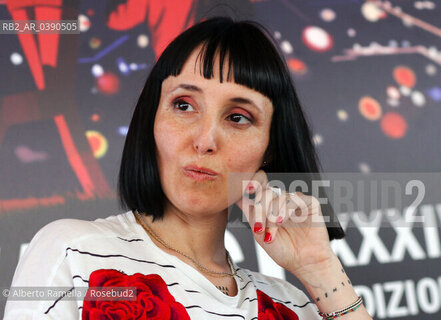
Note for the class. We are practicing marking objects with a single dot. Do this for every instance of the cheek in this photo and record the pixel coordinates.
(167, 138)
(246, 155)
(168, 142)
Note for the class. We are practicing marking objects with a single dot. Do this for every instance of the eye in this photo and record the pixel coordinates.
(181, 105)
(237, 116)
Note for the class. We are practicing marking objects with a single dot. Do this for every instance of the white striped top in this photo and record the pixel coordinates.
(65, 252)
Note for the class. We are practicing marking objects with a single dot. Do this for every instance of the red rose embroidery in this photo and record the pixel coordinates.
(153, 300)
(270, 310)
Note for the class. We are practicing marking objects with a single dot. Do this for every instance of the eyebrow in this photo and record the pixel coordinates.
(241, 100)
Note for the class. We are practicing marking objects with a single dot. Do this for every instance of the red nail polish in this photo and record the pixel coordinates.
(279, 219)
(258, 227)
(250, 188)
(268, 237)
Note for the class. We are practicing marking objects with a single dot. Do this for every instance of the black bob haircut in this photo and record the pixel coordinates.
(256, 64)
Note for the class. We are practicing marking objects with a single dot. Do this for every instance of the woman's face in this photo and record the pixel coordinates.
(203, 123)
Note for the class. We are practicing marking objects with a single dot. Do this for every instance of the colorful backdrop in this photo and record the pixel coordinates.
(368, 74)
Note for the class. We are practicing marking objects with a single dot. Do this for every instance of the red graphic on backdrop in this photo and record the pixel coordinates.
(40, 49)
(165, 18)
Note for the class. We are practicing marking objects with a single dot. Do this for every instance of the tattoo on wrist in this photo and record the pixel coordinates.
(333, 290)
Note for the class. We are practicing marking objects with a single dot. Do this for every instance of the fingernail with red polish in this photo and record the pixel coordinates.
(250, 192)
(258, 227)
(279, 219)
(268, 237)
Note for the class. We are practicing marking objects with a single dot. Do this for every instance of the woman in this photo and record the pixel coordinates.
(218, 103)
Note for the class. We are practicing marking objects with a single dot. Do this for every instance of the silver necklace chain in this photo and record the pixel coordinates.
(150, 231)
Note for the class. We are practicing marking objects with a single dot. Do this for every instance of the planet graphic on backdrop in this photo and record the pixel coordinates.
(393, 125)
(317, 39)
(97, 142)
(16, 59)
(94, 43)
(95, 117)
(371, 12)
(297, 66)
(84, 22)
(404, 76)
(327, 14)
(370, 108)
(108, 83)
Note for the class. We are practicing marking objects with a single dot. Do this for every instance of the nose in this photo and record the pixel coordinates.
(205, 136)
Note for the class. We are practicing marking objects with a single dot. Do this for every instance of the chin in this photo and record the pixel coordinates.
(200, 207)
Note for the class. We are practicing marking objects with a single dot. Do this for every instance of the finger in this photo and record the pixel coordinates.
(252, 194)
(258, 181)
(261, 178)
(276, 215)
(279, 213)
(285, 206)
(261, 208)
(246, 203)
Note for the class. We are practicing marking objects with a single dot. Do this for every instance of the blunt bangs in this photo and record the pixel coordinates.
(237, 42)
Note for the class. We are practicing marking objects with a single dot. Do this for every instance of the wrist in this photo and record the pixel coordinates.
(324, 274)
(330, 288)
(319, 268)
(328, 285)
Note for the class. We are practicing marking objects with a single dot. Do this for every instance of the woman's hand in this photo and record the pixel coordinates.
(289, 227)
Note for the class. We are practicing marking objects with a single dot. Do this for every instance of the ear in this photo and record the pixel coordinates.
(268, 157)
(266, 160)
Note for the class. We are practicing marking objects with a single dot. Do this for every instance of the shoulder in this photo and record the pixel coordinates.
(46, 261)
(68, 230)
(54, 239)
(50, 246)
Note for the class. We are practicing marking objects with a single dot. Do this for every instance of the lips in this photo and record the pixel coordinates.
(200, 170)
(200, 174)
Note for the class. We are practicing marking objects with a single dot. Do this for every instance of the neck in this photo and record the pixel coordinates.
(200, 237)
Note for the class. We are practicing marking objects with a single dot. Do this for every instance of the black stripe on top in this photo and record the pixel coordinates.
(246, 285)
(119, 256)
(290, 302)
(56, 301)
(275, 299)
(131, 240)
(248, 298)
